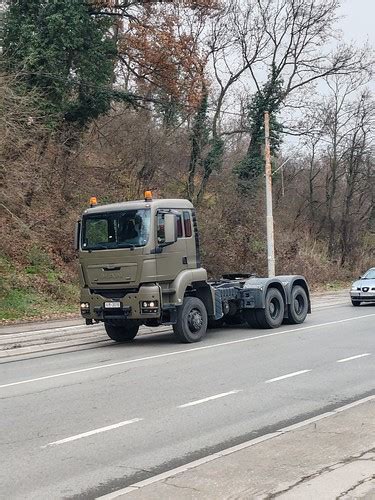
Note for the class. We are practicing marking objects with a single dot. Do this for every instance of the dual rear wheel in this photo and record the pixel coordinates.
(272, 316)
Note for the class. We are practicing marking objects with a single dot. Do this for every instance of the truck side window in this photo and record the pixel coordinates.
(161, 231)
(187, 224)
(179, 226)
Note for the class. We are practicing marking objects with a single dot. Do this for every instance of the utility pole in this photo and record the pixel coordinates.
(268, 168)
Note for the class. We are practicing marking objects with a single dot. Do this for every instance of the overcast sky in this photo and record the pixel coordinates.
(358, 23)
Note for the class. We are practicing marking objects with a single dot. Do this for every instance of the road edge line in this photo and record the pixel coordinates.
(228, 451)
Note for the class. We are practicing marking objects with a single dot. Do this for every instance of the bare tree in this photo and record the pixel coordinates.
(292, 42)
(357, 205)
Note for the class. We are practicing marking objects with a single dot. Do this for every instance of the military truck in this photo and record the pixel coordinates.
(139, 264)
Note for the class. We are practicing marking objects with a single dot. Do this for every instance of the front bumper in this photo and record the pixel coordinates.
(130, 304)
(362, 296)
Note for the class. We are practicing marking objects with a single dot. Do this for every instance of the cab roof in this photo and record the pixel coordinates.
(139, 204)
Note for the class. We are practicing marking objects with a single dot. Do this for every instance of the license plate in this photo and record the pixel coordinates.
(112, 305)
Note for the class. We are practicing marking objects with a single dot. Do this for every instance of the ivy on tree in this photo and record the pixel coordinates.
(268, 98)
(61, 49)
(206, 152)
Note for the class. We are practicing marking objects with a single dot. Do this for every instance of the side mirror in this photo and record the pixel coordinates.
(77, 233)
(170, 229)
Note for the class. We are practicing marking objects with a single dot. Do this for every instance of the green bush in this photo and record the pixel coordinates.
(35, 291)
(39, 261)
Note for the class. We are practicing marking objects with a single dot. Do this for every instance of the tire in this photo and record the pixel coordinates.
(356, 303)
(191, 325)
(299, 306)
(122, 332)
(273, 314)
(251, 318)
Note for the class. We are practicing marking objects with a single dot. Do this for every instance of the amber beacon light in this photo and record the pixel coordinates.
(148, 195)
(93, 201)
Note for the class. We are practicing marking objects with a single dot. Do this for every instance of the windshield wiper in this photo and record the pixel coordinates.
(111, 247)
(98, 247)
(128, 245)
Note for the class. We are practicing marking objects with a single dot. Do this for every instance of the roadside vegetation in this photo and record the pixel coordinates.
(170, 96)
(35, 288)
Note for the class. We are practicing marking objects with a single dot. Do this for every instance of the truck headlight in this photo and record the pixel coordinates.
(85, 307)
(149, 306)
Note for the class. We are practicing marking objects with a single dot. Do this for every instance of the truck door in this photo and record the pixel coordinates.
(173, 258)
(191, 239)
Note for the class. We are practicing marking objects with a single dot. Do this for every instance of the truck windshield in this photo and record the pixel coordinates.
(126, 229)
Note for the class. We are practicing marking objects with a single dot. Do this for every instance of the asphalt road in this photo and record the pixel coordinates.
(87, 422)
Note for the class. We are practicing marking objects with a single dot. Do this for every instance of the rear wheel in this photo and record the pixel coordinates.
(191, 325)
(299, 305)
(122, 332)
(356, 303)
(273, 314)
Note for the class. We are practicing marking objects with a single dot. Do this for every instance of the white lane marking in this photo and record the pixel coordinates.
(294, 374)
(186, 351)
(353, 357)
(210, 398)
(91, 433)
(231, 450)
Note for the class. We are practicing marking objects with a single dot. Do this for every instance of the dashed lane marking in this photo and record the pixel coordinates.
(353, 357)
(288, 375)
(210, 398)
(91, 433)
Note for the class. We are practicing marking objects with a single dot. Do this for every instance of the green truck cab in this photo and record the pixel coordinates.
(139, 263)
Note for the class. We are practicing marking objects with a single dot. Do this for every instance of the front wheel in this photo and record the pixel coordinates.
(191, 325)
(273, 313)
(122, 332)
(356, 303)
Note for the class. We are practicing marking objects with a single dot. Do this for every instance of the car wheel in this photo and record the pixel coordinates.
(356, 303)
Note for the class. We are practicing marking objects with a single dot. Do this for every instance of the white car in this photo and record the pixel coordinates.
(363, 290)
